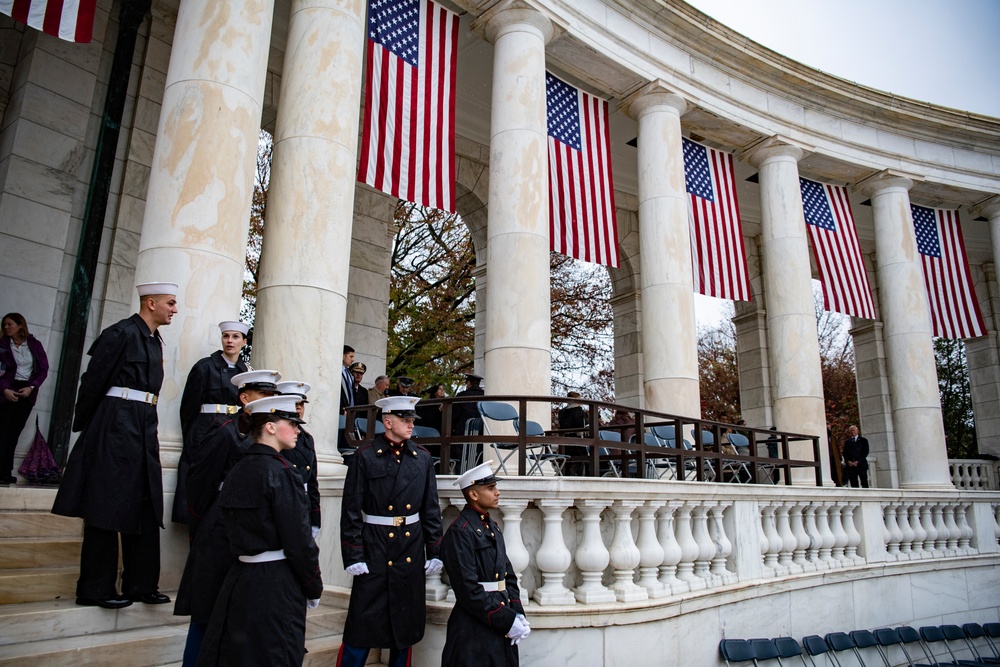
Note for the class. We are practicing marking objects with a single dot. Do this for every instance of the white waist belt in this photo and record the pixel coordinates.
(219, 409)
(132, 395)
(390, 520)
(493, 586)
(264, 557)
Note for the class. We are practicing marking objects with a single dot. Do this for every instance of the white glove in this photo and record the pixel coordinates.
(519, 631)
(315, 531)
(357, 568)
(433, 566)
(312, 604)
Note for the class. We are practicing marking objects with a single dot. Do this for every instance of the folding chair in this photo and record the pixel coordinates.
(764, 649)
(910, 636)
(361, 424)
(420, 432)
(609, 468)
(665, 437)
(865, 639)
(950, 633)
(656, 468)
(789, 648)
(841, 642)
(887, 638)
(544, 453)
(975, 631)
(739, 470)
(500, 412)
(737, 650)
(816, 645)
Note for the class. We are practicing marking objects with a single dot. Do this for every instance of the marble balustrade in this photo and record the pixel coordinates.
(598, 542)
(975, 474)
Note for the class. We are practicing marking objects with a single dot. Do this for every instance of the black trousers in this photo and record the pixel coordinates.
(13, 417)
(140, 558)
(855, 475)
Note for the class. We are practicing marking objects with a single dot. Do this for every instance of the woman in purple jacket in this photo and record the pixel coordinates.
(23, 368)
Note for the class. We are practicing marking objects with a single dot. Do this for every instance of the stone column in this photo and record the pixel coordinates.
(984, 353)
(628, 371)
(909, 353)
(669, 340)
(198, 203)
(302, 293)
(793, 346)
(874, 406)
(750, 322)
(517, 356)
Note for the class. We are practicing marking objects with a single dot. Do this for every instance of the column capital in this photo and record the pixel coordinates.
(652, 95)
(769, 148)
(506, 16)
(885, 180)
(989, 207)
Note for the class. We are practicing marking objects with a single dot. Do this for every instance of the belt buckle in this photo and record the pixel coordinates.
(232, 409)
(397, 521)
(501, 586)
(151, 401)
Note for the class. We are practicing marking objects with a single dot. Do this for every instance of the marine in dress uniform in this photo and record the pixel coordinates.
(390, 531)
(113, 479)
(487, 622)
(260, 614)
(209, 400)
(303, 455)
(463, 412)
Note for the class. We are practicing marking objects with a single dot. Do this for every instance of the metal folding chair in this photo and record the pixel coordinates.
(542, 453)
(909, 636)
(949, 633)
(975, 631)
(841, 642)
(789, 648)
(739, 470)
(816, 645)
(865, 639)
(737, 650)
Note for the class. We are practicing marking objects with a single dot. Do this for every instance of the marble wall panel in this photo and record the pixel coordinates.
(32, 221)
(54, 111)
(45, 146)
(63, 75)
(34, 262)
(883, 601)
(32, 299)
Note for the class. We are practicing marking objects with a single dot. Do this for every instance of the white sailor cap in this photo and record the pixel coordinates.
(295, 388)
(262, 380)
(281, 406)
(400, 406)
(233, 325)
(481, 474)
(148, 289)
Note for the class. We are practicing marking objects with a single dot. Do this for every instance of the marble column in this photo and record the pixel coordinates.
(750, 322)
(669, 339)
(905, 314)
(302, 289)
(517, 357)
(874, 406)
(984, 353)
(201, 181)
(793, 345)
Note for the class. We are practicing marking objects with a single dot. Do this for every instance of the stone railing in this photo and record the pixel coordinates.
(975, 474)
(597, 542)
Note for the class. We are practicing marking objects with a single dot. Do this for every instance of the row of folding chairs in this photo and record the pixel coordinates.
(930, 646)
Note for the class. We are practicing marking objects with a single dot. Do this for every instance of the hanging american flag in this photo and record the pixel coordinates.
(72, 20)
(720, 265)
(408, 142)
(955, 310)
(836, 249)
(582, 222)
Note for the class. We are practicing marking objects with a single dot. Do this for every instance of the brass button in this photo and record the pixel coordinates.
(502, 604)
(407, 533)
(390, 563)
(390, 536)
(379, 451)
(407, 559)
(390, 508)
(308, 467)
(498, 575)
(407, 505)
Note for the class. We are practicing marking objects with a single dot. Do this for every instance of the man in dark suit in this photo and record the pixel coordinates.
(462, 412)
(856, 458)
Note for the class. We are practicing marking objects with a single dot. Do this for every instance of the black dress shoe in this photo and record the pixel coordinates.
(111, 603)
(150, 598)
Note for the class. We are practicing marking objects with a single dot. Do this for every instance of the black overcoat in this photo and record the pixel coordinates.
(208, 382)
(116, 459)
(387, 608)
(473, 551)
(462, 412)
(303, 459)
(260, 615)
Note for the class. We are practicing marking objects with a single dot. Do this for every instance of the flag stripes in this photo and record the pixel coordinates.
(71, 20)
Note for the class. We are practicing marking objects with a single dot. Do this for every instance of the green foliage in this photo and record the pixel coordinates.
(956, 398)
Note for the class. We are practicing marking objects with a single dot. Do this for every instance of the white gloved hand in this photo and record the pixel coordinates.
(433, 566)
(519, 630)
(315, 531)
(357, 568)
(312, 604)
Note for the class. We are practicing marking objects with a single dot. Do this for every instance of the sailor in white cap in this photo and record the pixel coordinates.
(390, 532)
(487, 622)
(260, 617)
(113, 479)
(303, 455)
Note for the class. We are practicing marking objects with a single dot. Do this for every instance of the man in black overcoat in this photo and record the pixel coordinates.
(209, 400)
(487, 622)
(113, 478)
(462, 412)
(856, 458)
(390, 531)
(303, 455)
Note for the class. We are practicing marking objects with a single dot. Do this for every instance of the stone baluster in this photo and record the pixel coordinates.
(671, 549)
(940, 529)
(689, 548)
(625, 554)
(965, 530)
(592, 557)
(903, 521)
(927, 521)
(951, 545)
(826, 534)
(996, 519)
(893, 534)
(788, 540)
(839, 551)
(436, 589)
(809, 524)
(650, 550)
(919, 534)
(772, 546)
(512, 510)
(801, 544)
(553, 558)
(853, 535)
(723, 545)
(706, 549)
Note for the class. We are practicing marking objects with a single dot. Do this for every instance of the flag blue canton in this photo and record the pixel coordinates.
(696, 172)
(926, 229)
(816, 206)
(395, 24)
(562, 103)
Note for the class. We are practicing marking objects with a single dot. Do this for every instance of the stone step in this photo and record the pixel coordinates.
(39, 524)
(141, 647)
(31, 552)
(24, 498)
(36, 584)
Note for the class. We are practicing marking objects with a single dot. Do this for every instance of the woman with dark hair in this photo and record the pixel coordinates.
(23, 369)
(430, 415)
(260, 615)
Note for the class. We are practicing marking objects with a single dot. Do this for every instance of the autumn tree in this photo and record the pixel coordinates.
(956, 398)
(718, 373)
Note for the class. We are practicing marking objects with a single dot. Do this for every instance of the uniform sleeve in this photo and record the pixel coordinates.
(513, 590)
(459, 556)
(289, 507)
(430, 514)
(312, 484)
(194, 389)
(106, 355)
(352, 546)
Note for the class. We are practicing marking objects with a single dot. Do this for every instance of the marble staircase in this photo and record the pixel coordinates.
(40, 623)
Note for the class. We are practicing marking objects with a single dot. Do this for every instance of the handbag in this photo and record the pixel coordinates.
(39, 466)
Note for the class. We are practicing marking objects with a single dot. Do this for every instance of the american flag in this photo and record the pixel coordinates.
(836, 249)
(408, 145)
(955, 310)
(72, 20)
(582, 221)
(718, 253)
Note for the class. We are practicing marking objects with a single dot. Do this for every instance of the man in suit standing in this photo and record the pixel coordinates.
(856, 458)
